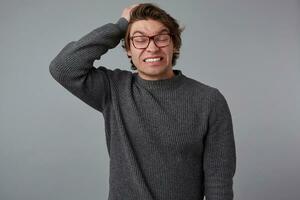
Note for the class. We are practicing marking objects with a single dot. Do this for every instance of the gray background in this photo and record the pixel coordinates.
(52, 145)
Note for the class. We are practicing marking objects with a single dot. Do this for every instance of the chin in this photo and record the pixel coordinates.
(154, 69)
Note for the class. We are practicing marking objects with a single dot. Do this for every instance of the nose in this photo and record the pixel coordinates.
(152, 46)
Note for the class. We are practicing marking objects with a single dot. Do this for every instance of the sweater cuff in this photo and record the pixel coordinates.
(122, 23)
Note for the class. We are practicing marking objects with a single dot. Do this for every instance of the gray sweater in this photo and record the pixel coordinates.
(168, 139)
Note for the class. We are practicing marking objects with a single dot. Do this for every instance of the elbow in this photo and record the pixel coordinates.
(53, 68)
(58, 64)
(56, 69)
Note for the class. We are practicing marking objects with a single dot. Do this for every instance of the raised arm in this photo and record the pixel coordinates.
(219, 153)
(73, 66)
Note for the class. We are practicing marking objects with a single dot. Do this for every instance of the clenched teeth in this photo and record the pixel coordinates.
(152, 59)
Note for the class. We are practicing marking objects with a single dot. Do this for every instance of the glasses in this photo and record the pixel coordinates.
(142, 42)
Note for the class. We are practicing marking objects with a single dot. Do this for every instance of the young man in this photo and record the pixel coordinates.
(169, 137)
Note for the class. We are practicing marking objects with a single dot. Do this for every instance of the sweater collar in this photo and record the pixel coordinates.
(170, 83)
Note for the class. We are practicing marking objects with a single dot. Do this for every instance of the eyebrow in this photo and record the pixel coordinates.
(143, 33)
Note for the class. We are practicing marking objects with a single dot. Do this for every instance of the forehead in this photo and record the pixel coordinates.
(149, 27)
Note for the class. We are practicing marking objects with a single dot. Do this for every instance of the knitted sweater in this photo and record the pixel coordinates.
(168, 139)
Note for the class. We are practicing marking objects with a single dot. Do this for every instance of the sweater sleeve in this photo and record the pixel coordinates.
(73, 66)
(219, 153)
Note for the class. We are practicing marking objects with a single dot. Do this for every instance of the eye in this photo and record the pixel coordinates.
(140, 39)
(162, 38)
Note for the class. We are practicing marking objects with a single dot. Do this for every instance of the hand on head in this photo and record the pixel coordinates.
(126, 11)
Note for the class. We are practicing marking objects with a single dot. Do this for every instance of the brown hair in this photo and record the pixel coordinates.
(150, 11)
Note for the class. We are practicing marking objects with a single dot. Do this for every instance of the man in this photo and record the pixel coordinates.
(169, 137)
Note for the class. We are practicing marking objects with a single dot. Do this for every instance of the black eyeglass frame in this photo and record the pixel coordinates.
(151, 38)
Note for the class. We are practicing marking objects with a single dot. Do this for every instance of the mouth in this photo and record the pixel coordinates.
(153, 59)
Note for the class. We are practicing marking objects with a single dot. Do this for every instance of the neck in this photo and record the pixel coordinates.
(161, 84)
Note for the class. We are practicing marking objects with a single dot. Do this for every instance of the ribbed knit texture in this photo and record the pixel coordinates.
(168, 139)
